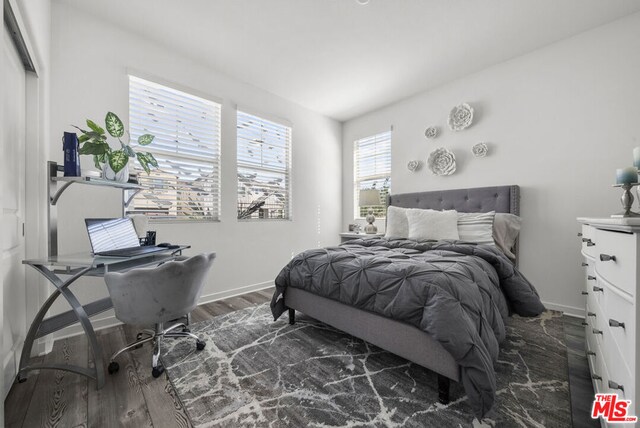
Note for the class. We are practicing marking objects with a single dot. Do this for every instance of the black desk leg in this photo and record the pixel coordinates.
(443, 389)
(292, 316)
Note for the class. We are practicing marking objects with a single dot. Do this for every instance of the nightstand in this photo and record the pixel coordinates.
(348, 236)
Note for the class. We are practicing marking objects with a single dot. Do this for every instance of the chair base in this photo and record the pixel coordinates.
(155, 337)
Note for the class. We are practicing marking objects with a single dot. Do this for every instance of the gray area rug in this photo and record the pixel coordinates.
(256, 372)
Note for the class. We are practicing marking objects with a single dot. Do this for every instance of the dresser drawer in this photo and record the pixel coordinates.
(618, 308)
(620, 270)
(588, 238)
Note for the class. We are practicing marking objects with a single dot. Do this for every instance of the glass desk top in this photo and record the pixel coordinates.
(70, 262)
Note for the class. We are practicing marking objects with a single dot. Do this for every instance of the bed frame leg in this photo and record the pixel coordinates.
(292, 316)
(443, 389)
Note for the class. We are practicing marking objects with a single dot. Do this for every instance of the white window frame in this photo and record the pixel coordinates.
(202, 151)
(282, 132)
(381, 171)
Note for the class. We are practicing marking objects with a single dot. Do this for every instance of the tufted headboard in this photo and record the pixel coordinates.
(501, 199)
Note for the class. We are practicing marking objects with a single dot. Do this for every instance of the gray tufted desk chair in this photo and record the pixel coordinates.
(153, 296)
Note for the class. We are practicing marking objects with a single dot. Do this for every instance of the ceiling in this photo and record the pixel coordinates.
(343, 59)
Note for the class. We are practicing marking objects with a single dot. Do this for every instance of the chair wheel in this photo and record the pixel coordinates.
(22, 379)
(200, 344)
(157, 371)
(113, 367)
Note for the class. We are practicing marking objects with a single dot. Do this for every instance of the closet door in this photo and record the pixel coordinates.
(12, 179)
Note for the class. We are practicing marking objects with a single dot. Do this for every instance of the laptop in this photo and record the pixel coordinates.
(116, 237)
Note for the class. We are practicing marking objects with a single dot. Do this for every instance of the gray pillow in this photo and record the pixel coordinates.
(506, 228)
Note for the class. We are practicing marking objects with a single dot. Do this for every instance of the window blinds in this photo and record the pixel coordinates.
(186, 184)
(264, 168)
(372, 169)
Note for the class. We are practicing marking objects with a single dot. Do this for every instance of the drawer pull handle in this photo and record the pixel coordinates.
(596, 288)
(591, 314)
(586, 240)
(614, 385)
(591, 243)
(607, 258)
(591, 353)
(585, 264)
(591, 278)
(584, 323)
(584, 293)
(596, 377)
(614, 323)
(596, 331)
(579, 234)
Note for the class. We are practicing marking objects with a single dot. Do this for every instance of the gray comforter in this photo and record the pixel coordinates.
(456, 292)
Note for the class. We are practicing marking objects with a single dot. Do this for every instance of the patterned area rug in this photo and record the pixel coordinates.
(256, 372)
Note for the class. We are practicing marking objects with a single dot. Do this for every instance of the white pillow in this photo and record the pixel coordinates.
(476, 227)
(427, 225)
(397, 224)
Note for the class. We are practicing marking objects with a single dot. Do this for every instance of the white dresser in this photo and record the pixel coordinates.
(610, 248)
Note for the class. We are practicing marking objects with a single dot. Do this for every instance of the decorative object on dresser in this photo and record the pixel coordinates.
(431, 132)
(480, 150)
(460, 117)
(413, 165)
(370, 198)
(442, 161)
(626, 200)
(610, 250)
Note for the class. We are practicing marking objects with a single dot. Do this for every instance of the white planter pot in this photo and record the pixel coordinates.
(121, 177)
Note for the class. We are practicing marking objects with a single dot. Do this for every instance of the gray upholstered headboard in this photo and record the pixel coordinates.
(501, 199)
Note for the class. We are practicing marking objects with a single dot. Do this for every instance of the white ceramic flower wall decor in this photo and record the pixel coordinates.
(441, 161)
(460, 117)
(431, 132)
(480, 150)
(413, 165)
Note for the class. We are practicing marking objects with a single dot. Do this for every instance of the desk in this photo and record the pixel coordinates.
(75, 266)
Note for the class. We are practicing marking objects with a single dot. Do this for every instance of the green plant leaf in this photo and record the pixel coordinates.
(94, 127)
(83, 138)
(80, 129)
(98, 160)
(114, 125)
(144, 163)
(94, 148)
(118, 159)
(152, 161)
(129, 151)
(146, 139)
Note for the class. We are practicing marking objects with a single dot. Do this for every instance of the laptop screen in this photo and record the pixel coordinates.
(108, 234)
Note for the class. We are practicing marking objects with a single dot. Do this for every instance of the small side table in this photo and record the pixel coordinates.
(348, 236)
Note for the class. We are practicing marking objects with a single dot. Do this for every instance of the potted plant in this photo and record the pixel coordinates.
(114, 163)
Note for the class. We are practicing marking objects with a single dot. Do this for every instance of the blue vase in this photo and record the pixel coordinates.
(70, 146)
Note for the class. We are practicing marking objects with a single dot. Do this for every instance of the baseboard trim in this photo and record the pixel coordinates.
(112, 321)
(571, 311)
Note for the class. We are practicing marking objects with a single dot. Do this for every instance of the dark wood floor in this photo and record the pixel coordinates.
(133, 398)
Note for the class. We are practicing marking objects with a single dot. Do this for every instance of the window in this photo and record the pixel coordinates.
(264, 168)
(186, 184)
(372, 170)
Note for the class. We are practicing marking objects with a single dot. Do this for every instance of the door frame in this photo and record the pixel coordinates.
(37, 149)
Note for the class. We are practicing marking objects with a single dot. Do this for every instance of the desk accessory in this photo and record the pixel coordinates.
(70, 147)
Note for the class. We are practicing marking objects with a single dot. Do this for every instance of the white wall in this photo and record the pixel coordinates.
(559, 121)
(90, 60)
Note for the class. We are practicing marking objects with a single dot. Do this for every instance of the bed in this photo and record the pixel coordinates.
(309, 282)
